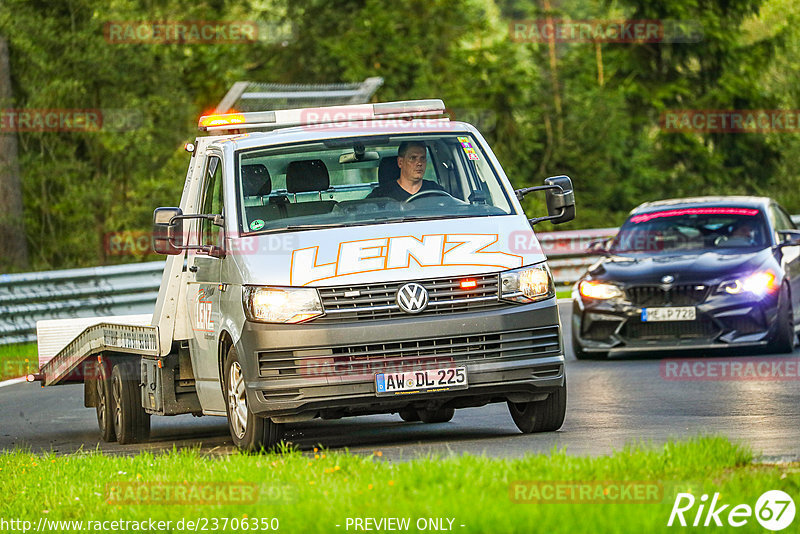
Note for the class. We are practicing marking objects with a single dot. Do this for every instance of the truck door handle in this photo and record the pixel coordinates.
(193, 269)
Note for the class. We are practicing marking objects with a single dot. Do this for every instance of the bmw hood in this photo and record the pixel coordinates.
(707, 267)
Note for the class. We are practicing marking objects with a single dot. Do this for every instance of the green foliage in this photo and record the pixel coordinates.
(545, 117)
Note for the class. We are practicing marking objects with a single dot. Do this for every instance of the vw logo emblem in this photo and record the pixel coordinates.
(667, 279)
(412, 298)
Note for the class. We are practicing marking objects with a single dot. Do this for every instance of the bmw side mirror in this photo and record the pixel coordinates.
(599, 247)
(789, 238)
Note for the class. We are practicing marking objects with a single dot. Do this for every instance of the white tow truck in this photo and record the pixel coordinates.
(332, 262)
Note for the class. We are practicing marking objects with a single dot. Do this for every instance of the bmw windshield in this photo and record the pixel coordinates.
(692, 229)
(367, 180)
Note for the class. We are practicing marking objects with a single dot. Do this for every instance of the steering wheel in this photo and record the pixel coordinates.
(428, 192)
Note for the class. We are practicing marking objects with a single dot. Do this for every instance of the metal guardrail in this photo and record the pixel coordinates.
(97, 291)
(567, 251)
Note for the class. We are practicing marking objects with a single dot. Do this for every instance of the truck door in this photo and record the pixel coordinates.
(203, 301)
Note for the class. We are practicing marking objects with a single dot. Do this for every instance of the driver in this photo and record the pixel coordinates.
(412, 160)
(745, 232)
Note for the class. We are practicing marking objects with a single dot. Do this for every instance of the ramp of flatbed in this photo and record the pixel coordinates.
(134, 339)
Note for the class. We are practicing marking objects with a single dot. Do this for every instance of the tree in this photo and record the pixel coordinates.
(13, 245)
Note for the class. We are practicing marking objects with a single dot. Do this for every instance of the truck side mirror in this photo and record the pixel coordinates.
(559, 196)
(167, 231)
(560, 203)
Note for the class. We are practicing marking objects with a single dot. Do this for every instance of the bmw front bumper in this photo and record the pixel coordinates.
(722, 320)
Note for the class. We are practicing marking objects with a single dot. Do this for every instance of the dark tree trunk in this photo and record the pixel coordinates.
(13, 245)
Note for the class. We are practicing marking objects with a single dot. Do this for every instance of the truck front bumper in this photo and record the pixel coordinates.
(512, 353)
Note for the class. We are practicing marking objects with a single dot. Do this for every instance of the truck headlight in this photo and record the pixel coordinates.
(593, 289)
(759, 283)
(267, 304)
(527, 284)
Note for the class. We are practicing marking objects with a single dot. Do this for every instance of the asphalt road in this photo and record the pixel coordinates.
(610, 403)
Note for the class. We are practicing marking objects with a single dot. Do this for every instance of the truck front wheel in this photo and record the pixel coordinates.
(131, 422)
(249, 432)
(541, 416)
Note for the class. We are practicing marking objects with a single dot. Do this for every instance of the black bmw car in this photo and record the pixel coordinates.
(692, 273)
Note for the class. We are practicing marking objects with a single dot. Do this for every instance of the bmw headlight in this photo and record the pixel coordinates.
(758, 283)
(595, 289)
(267, 304)
(527, 284)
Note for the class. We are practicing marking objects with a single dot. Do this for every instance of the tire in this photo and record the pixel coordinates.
(409, 415)
(782, 342)
(248, 431)
(131, 422)
(105, 412)
(541, 416)
(442, 415)
(581, 354)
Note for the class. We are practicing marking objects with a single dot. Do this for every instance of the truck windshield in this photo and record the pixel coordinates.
(367, 180)
(679, 230)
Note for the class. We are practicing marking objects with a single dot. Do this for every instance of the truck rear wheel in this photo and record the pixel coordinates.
(409, 415)
(105, 412)
(249, 432)
(442, 415)
(131, 422)
(541, 416)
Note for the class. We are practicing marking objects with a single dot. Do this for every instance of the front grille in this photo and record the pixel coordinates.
(663, 330)
(683, 295)
(377, 301)
(368, 359)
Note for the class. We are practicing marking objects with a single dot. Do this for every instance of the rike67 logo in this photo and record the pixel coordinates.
(774, 510)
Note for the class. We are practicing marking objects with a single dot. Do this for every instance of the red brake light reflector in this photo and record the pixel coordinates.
(644, 217)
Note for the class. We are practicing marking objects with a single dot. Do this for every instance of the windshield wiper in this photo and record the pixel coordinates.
(425, 218)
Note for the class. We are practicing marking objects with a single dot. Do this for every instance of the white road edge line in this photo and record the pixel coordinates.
(564, 301)
(12, 381)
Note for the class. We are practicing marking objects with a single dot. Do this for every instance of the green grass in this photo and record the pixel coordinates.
(18, 360)
(315, 492)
